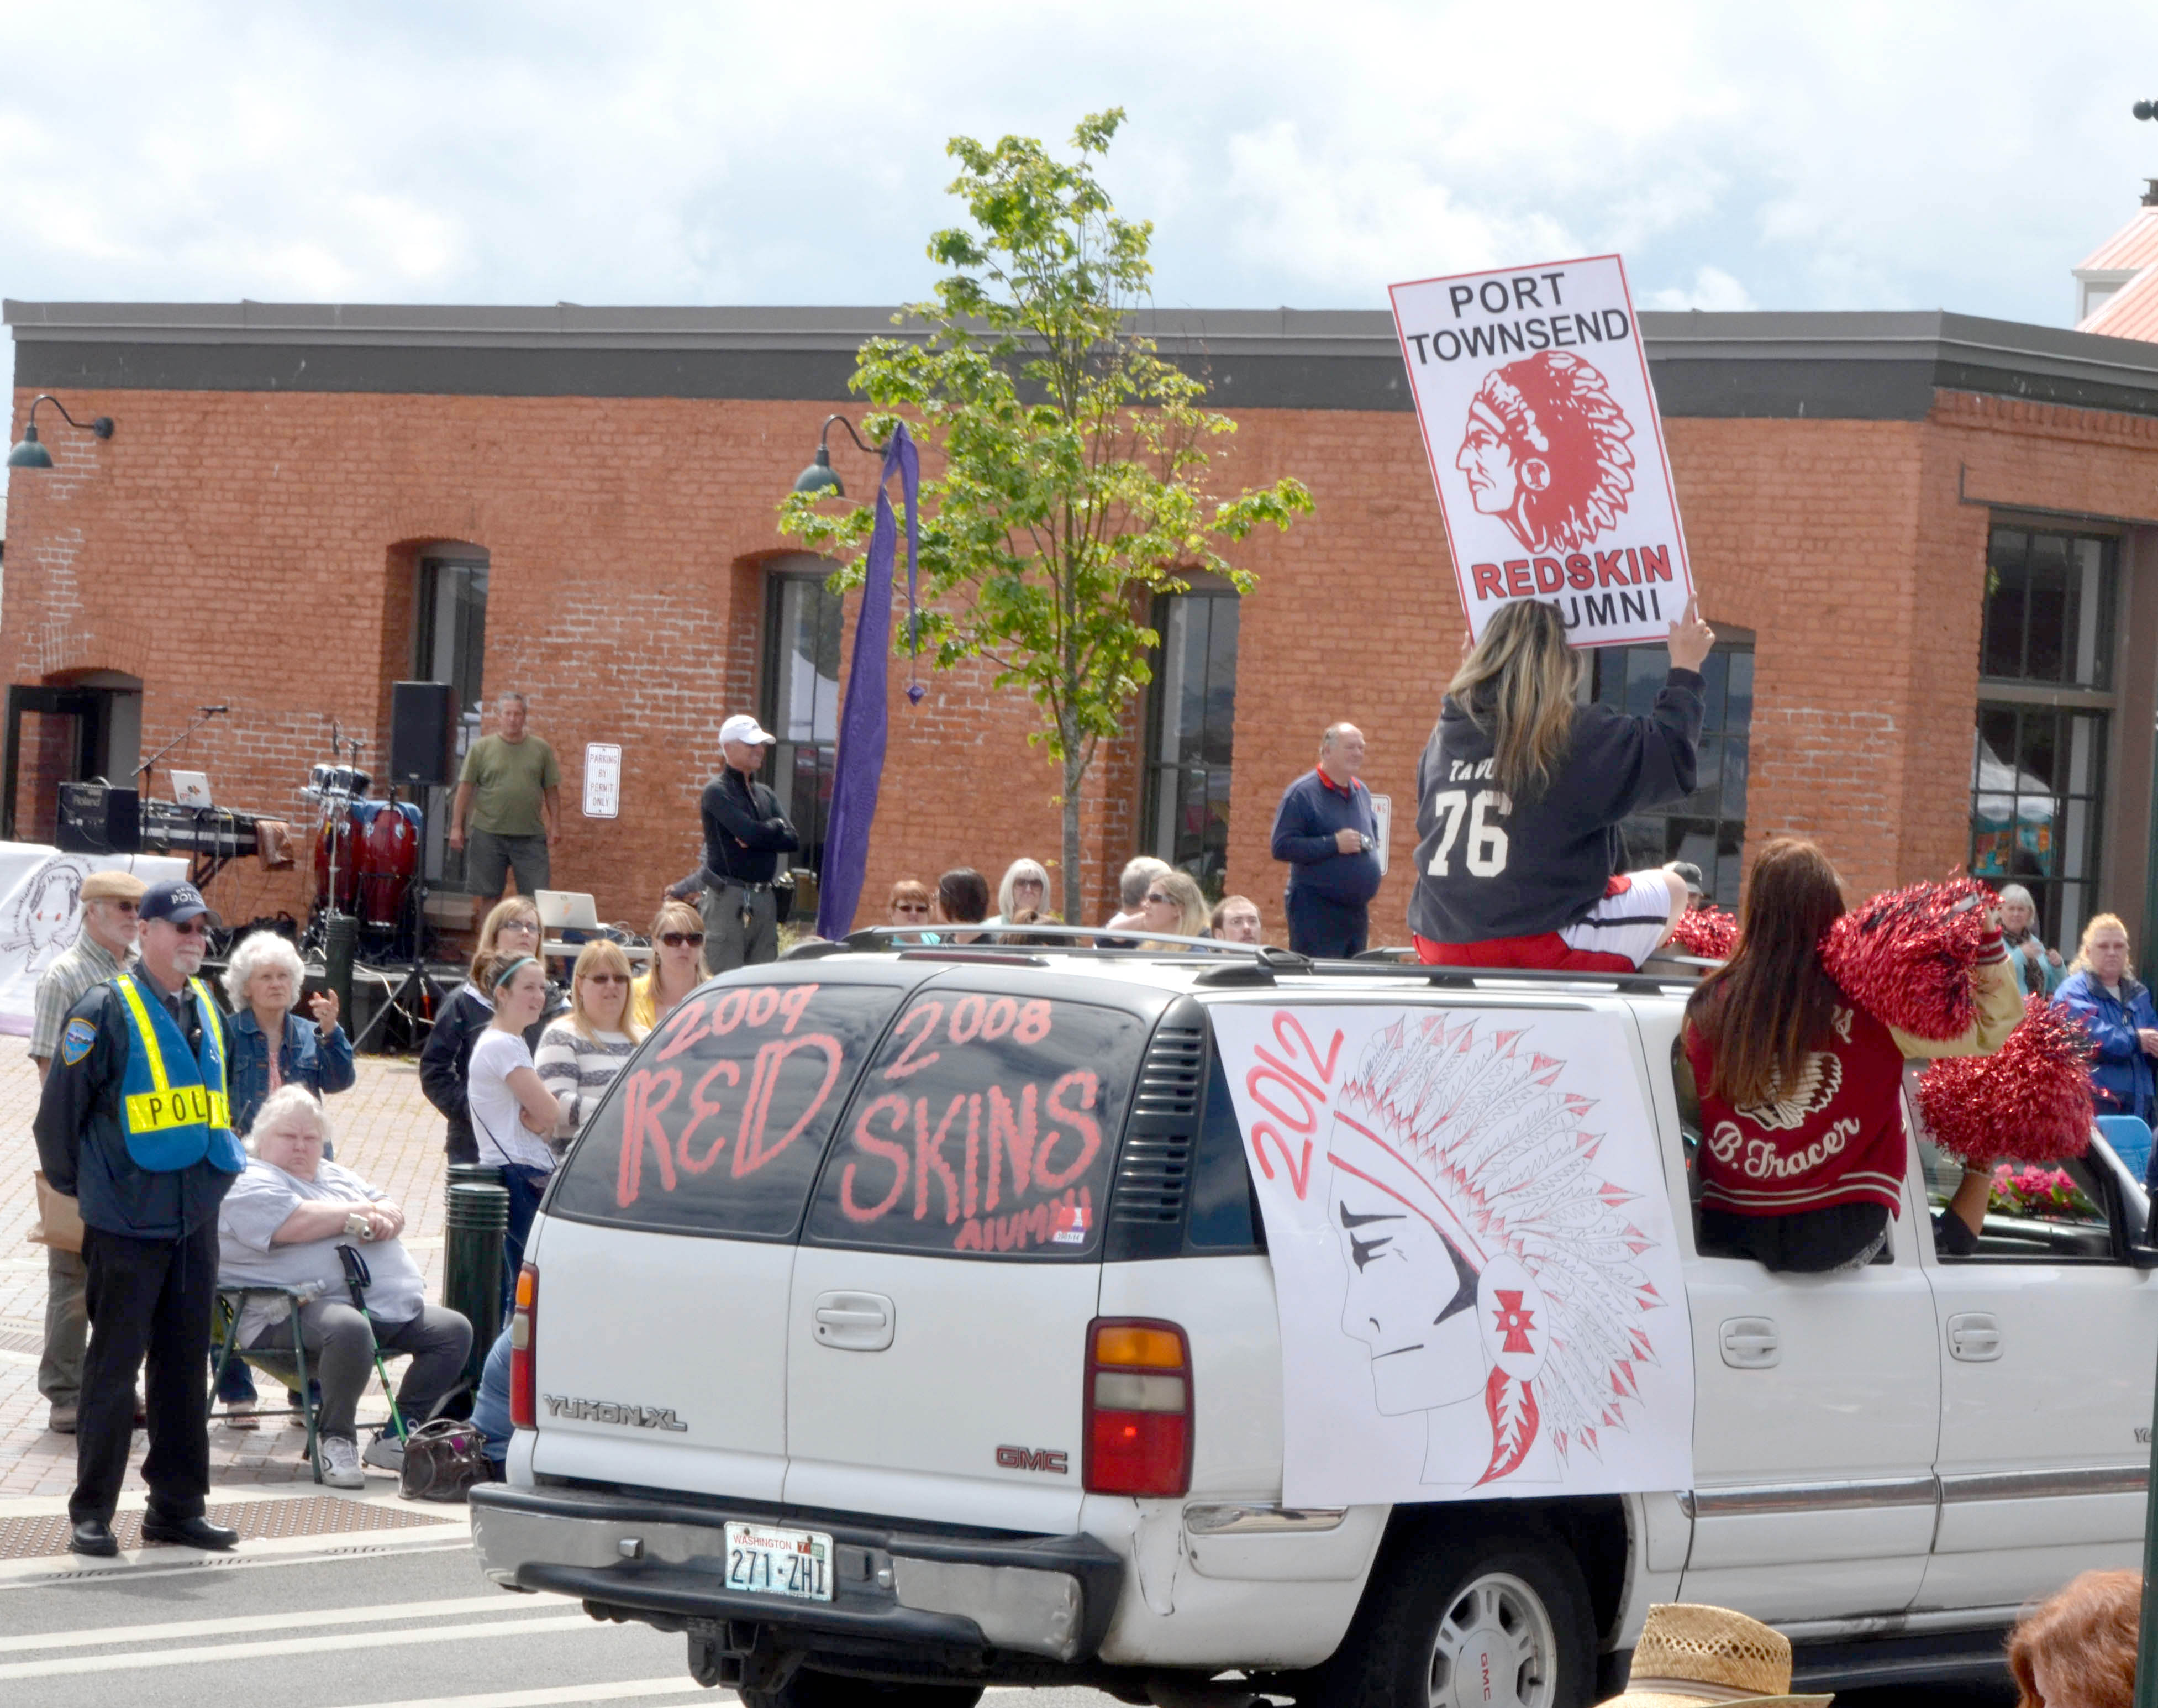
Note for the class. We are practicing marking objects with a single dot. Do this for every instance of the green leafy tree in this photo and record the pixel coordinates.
(1072, 486)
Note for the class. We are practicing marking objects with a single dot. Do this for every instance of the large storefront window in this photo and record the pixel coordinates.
(1190, 732)
(803, 623)
(2037, 785)
(1708, 827)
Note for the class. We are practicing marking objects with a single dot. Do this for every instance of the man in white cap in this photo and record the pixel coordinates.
(106, 945)
(744, 834)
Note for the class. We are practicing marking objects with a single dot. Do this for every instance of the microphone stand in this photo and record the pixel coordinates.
(207, 713)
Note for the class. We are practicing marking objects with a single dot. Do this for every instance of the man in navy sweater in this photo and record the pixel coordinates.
(1324, 829)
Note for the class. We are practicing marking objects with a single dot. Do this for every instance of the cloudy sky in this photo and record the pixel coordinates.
(1878, 155)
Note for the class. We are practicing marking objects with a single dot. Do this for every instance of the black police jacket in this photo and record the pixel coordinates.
(82, 1138)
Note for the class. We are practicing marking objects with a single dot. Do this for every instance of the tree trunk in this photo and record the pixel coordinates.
(1074, 775)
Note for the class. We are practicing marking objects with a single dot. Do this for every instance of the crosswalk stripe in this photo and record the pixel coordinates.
(679, 1686)
(288, 1645)
(299, 1619)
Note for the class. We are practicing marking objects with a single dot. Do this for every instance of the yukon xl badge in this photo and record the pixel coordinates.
(1028, 1458)
(607, 1412)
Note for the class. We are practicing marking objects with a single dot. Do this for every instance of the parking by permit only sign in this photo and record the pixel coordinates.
(1532, 388)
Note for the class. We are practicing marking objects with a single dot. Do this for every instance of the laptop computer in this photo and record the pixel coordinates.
(191, 788)
(566, 910)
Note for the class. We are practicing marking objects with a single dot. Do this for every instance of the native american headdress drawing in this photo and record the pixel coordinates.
(1462, 1125)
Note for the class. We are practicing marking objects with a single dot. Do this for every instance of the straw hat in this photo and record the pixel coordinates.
(113, 886)
(1689, 1655)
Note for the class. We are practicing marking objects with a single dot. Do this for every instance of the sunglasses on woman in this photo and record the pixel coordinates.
(920, 907)
(681, 940)
(606, 978)
(1156, 898)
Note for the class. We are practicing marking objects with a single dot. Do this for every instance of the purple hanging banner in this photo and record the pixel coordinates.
(864, 720)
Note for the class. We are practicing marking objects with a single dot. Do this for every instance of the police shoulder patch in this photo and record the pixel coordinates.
(77, 1041)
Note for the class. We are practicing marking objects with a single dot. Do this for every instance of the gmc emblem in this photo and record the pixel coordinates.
(1030, 1458)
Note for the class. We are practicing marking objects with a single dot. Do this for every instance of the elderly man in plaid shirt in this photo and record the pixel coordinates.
(106, 945)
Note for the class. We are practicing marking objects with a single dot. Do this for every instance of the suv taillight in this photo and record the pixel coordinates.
(1138, 1408)
(524, 1337)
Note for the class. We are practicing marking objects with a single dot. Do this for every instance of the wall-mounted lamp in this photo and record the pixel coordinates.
(820, 476)
(30, 454)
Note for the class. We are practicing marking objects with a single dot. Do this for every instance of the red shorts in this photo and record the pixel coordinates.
(1619, 934)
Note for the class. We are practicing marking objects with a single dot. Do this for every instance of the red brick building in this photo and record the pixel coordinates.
(1927, 539)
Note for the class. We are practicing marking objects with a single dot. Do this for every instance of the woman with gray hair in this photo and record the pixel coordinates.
(1025, 889)
(262, 981)
(2038, 969)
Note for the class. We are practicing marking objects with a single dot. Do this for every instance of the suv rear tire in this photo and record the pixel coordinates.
(1484, 1617)
(810, 1689)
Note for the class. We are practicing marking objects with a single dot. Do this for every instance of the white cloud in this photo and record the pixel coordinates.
(1713, 290)
(526, 150)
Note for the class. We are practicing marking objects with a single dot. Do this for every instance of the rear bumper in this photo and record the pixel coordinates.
(895, 1592)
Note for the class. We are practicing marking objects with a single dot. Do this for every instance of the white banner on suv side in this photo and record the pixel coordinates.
(1475, 1262)
(1532, 389)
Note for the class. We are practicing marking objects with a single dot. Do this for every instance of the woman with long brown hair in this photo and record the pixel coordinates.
(1519, 794)
(1802, 1148)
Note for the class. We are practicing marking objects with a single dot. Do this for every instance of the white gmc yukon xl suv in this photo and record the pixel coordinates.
(902, 1324)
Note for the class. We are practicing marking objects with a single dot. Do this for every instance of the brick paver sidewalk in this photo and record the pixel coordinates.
(386, 1132)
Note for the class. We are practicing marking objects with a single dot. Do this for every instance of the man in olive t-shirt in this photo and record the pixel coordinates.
(509, 799)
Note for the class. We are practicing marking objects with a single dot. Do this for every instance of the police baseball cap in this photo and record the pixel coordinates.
(176, 899)
(741, 727)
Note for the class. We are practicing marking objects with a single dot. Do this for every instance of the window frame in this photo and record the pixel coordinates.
(1157, 830)
(1720, 874)
(811, 819)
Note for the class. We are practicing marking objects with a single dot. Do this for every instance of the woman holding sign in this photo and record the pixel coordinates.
(1519, 794)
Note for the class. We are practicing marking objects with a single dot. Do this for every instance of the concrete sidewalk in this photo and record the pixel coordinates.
(386, 1132)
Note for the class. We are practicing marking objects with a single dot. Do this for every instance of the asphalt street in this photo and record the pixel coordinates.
(397, 1628)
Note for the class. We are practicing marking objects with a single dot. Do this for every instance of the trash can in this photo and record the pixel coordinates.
(474, 1226)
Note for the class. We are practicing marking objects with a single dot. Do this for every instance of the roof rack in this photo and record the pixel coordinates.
(1248, 964)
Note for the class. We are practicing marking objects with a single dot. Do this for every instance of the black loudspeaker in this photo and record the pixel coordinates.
(423, 733)
(95, 819)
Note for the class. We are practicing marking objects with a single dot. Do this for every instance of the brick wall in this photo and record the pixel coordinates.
(258, 549)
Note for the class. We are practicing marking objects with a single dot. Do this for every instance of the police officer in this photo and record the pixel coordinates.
(744, 834)
(134, 1123)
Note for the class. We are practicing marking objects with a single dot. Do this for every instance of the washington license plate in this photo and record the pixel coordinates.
(796, 1563)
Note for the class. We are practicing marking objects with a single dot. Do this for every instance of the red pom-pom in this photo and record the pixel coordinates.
(1708, 931)
(1906, 955)
(2030, 1100)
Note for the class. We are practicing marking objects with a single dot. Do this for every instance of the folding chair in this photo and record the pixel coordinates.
(287, 1365)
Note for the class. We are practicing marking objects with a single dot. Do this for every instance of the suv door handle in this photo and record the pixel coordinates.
(853, 1322)
(1751, 1343)
(1974, 1337)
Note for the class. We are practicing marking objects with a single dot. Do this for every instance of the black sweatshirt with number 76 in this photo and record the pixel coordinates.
(1490, 866)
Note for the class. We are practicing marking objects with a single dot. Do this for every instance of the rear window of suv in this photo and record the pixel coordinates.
(988, 1124)
(718, 1123)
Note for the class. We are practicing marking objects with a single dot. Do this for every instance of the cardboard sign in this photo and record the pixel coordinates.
(41, 913)
(1532, 388)
(1476, 1264)
(1383, 816)
(602, 780)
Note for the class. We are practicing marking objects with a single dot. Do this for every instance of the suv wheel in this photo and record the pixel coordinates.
(1499, 1621)
(809, 1689)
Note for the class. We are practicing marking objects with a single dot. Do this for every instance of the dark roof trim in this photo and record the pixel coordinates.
(1862, 366)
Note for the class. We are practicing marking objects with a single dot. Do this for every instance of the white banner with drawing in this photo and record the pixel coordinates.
(41, 913)
(1474, 1259)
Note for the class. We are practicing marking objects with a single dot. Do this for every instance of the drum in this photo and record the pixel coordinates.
(388, 838)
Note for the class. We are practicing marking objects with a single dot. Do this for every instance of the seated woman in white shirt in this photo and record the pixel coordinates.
(513, 1113)
(580, 1054)
(280, 1225)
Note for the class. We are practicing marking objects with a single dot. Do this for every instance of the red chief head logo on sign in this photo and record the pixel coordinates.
(1545, 452)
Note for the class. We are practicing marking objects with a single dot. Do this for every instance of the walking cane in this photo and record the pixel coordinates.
(357, 1281)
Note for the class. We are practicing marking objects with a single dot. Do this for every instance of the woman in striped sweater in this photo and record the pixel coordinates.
(580, 1054)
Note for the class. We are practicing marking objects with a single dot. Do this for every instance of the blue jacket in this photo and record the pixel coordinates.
(1304, 826)
(2120, 1076)
(307, 1058)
